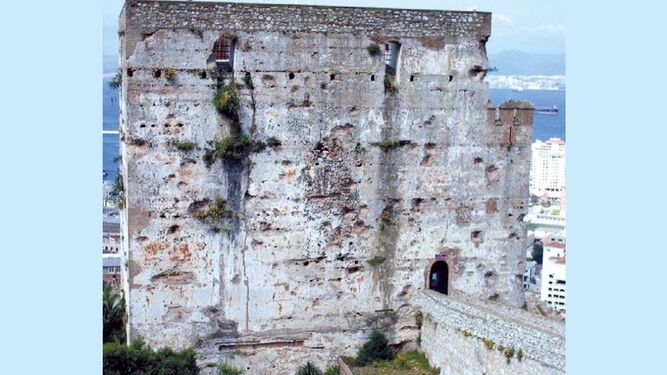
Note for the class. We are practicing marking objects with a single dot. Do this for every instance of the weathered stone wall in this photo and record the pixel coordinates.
(464, 337)
(287, 278)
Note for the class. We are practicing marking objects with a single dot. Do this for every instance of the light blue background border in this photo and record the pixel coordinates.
(616, 167)
(51, 157)
(50, 187)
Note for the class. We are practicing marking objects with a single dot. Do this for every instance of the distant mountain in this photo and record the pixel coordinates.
(109, 63)
(523, 63)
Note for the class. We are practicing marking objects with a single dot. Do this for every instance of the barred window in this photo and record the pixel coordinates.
(222, 49)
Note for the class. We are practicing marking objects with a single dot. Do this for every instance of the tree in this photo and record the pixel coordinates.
(538, 252)
(309, 369)
(113, 316)
(376, 348)
(534, 200)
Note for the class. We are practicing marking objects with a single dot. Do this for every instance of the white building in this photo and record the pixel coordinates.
(553, 274)
(547, 169)
(531, 276)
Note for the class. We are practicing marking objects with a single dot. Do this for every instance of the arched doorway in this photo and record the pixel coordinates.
(438, 278)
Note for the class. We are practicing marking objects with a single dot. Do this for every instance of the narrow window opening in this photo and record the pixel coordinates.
(332, 76)
(412, 78)
(372, 77)
(223, 51)
(391, 51)
(438, 278)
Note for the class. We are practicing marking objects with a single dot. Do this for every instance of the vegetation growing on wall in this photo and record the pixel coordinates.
(507, 352)
(373, 49)
(376, 260)
(419, 319)
(236, 148)
(170, 74)
(214, 212)
(185, 145)
(390, 84)
(227, 99)
(386, 143)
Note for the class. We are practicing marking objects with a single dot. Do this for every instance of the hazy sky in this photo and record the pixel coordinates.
(524, 25)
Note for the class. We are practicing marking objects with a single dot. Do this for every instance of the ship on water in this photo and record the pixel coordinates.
(546, 110)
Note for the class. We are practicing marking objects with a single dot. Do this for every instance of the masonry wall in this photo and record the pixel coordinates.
(467, 337)
(288, 278)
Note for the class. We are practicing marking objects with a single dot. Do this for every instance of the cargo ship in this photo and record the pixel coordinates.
(547, 110)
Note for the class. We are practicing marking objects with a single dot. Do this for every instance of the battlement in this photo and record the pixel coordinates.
(152, 15)
(511, 120)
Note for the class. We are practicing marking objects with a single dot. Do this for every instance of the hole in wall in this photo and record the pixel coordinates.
(130, 72)
(291, 75)
(157, 73)
(372, 77)
(412, 78)
(332, 77)
(203, 74)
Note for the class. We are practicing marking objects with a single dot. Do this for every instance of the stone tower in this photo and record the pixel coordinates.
(352, 152)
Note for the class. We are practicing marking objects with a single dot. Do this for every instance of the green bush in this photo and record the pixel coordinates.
(214, 212)
(376, 260)
(116, 81)
(227, 99)
(373, 49)
(387, 143)
(309, 369)
(185, 145)
(376, 348)
(139, 359)
(419, 319)
(508, 353)
(170, 73)
(390, 84)
(118, 191)
(332, 370)
(227, 369)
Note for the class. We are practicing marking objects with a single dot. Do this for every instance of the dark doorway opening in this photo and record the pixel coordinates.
(438, 278)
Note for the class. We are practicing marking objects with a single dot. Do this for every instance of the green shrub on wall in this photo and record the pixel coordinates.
(227, 99)
(373, 49)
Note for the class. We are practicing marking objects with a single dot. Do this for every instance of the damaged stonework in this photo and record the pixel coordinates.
(337, 195)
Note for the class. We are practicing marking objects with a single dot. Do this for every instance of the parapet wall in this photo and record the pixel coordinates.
(279, 17)
(468, 337)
